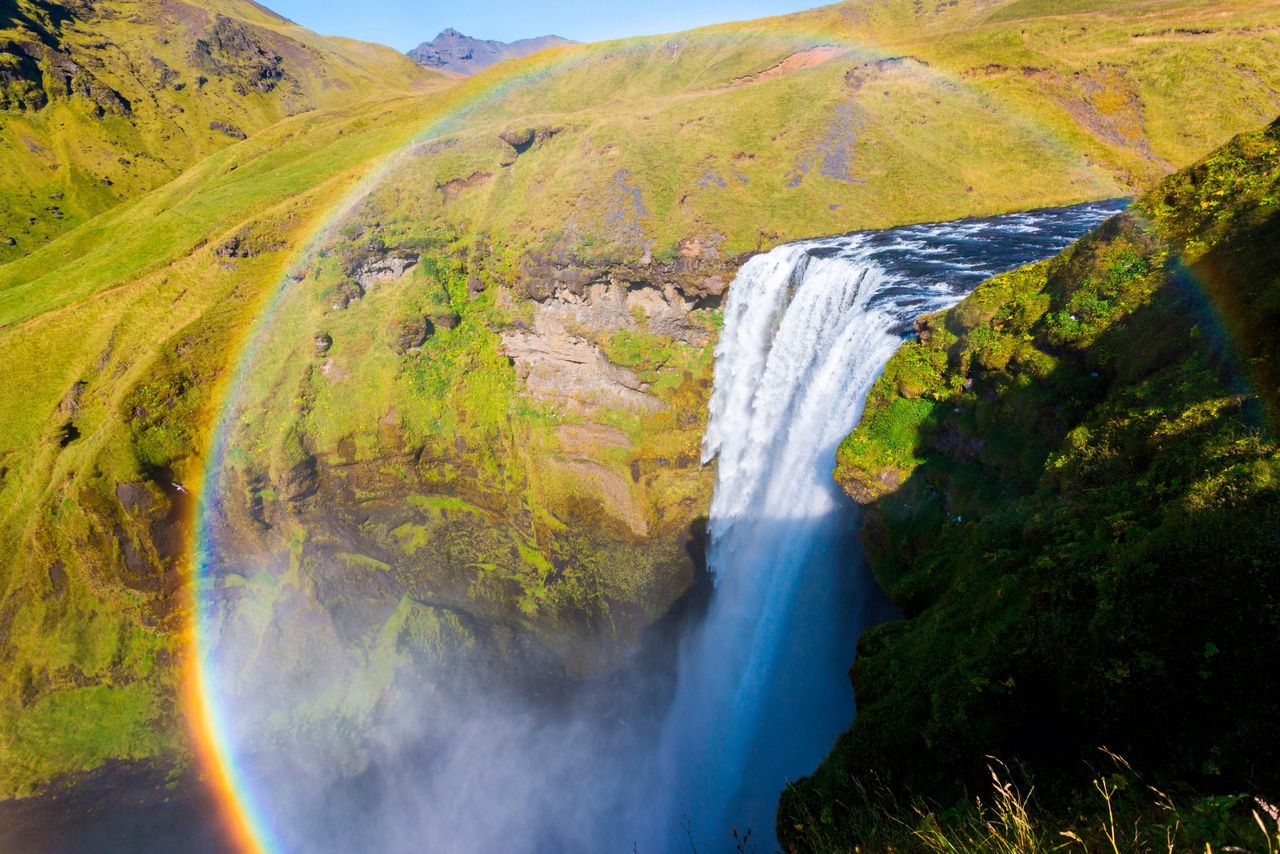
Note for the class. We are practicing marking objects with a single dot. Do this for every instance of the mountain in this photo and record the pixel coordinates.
(1070, 489)
(452, 51)
(101, 101)
(498, 295)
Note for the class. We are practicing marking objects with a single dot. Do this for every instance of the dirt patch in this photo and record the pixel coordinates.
(798, 61)
(454, 188)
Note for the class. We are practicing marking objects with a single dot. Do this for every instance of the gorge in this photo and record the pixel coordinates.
(398, 458)
(432, 730)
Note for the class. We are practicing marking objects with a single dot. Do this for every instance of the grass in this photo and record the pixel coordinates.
(128, 295)
(1120, 813)
(65, 163)
(1055, 474)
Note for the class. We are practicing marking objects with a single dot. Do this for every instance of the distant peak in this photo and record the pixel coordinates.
(454, 51)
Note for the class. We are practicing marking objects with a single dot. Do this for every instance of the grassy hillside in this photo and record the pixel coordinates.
(854, 116)
(101, 101)
(565, 222)
(1072, 490)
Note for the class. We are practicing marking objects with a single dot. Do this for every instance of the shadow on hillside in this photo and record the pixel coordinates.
(1114, 597)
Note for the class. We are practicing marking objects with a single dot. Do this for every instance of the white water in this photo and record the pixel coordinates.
(763, 689)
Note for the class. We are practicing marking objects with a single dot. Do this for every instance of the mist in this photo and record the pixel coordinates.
(364, 719)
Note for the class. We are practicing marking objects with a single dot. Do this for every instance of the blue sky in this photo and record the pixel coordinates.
(404, 24)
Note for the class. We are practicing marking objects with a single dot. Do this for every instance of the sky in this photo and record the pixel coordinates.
(404, 24)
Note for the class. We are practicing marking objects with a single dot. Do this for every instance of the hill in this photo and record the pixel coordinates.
(1070, 489)
(101, 101)
(452, 51)
(500, 298)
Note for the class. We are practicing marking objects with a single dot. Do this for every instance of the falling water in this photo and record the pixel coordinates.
(455, 759)
(763, 688)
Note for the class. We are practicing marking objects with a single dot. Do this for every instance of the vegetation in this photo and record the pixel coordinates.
(653, 161)
(1072, 489)
(102, 102)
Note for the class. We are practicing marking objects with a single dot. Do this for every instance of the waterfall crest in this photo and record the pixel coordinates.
(762, 689)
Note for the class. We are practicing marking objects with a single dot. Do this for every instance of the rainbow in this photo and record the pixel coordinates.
(243, 810)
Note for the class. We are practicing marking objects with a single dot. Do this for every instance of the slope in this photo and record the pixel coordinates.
(100, 101)
(1070, 483)
(512, 323)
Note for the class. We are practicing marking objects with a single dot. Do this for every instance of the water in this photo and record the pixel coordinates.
(763, 689)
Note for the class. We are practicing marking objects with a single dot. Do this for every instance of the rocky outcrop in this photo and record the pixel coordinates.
(556, 365)
(381, 268)
(236, 52)
(228, 129)
(36, 73)
(521, 140)
(577, 307)
(699, 273)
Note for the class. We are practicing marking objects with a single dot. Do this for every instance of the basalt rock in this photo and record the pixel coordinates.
(381, 267)
(699, 272)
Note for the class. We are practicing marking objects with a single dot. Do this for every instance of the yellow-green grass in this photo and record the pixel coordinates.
(152, 296)
(82, 159)
(136, 303)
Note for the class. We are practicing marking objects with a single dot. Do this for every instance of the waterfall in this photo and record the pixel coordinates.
(454, 760)
(762, 687)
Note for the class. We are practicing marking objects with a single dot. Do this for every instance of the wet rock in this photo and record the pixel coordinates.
(323, 342)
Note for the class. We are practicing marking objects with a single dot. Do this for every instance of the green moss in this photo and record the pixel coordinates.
(78, 729)
(359, 561)
(1083, 504)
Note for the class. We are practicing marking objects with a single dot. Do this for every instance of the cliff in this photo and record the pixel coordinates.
(1070, 489)
(501, 303)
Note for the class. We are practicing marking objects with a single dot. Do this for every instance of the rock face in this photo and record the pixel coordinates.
(381, 268)
(578, 309)
(1056, 461)
(558, 366)
(452, 51)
